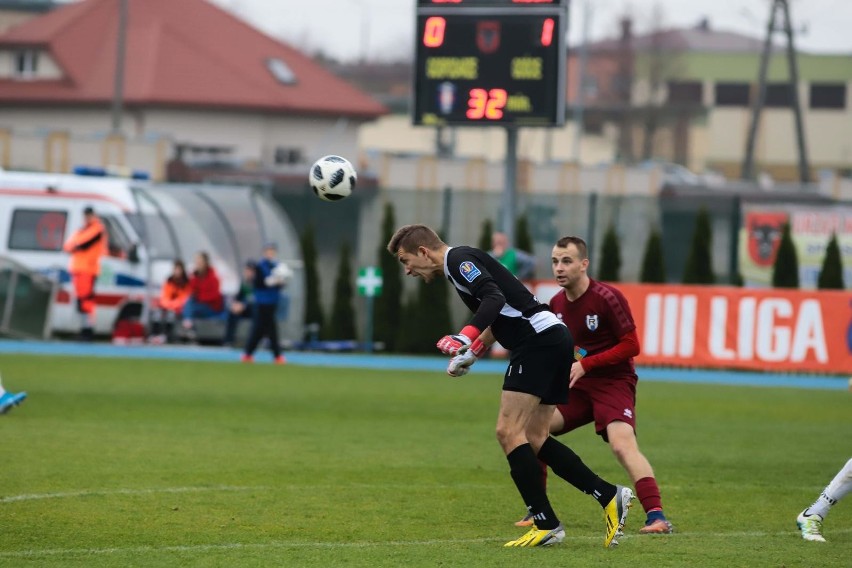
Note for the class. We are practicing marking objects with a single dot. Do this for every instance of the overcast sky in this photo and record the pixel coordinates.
(384, 29)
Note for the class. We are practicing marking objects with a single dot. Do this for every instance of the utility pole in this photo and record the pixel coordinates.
(581, 83)
(120, 51)
(781, 7)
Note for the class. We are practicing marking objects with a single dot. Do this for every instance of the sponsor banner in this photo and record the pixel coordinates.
(738, 328)
(811, 228)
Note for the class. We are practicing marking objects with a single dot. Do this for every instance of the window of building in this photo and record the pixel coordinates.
(828, 95)
(593, 123)
(281, 71)
(37, 229)
(26, 63)
(685, 92)
(779, 95)
(732, 94)
(285, 155)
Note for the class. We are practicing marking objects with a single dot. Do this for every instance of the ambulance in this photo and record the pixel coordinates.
(39, 211)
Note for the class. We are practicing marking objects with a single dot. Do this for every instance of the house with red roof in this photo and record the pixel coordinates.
(195, 79)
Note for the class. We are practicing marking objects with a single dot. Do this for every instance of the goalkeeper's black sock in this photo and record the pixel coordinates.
(527, 477)
(568, 465)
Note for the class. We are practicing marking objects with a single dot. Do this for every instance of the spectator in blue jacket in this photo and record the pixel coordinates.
(270, 276)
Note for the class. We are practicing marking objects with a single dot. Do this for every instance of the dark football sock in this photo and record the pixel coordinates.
(568, 465)
(527, 477)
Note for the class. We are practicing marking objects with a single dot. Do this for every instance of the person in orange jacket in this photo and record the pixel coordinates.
(86, 245)
(173, 297)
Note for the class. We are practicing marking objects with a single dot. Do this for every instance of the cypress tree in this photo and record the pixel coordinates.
(432, 315)
(408, 333)
(699, 263)
(785, 271)
(313, 307)
(485, 236)
(342, 322)
(831, 274)
(653, 265)
(523, 239)
(610, 264)
(388, 306)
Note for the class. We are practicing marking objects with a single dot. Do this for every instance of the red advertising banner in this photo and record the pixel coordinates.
(738, 328)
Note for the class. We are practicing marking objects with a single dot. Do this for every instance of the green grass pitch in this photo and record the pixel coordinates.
(161, 463)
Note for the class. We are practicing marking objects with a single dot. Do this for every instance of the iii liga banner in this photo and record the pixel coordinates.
(740, 328)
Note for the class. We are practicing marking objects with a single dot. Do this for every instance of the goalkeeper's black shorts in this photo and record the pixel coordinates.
(541, 366)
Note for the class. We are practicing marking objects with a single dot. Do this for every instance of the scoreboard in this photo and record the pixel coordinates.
(490, 62)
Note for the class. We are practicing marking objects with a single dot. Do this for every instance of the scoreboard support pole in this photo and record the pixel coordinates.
(510, 184)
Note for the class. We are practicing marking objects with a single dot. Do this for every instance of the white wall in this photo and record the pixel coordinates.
(253, 136)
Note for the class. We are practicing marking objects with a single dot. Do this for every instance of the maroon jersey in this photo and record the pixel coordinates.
(597, 320)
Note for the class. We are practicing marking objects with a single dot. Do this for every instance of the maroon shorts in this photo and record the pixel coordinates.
(601, 401)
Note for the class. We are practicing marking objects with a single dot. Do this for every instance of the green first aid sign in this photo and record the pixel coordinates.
(369, 281)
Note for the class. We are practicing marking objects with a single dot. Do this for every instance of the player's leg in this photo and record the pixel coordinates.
(255, 335)
(517, 410)
(810, 520)
(613, 404)
(272, 333)
(84, 289)
(9, 400)
(565, 418)
(546, 364)
(622, 441)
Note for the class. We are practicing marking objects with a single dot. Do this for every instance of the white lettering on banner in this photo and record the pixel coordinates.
(759, 334)
(670, 325)
(651, 341)
(773, 342)
(810, 333)
(769, 330)
(719, 329)
(745, 327)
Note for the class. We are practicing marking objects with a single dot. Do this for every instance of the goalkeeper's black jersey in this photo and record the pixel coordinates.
(496, 297)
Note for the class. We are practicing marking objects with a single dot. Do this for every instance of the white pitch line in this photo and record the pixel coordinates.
(34, 553)
(87, 493)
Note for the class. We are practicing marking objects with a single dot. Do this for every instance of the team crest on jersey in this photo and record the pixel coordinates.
(469, 271)
(592, 322)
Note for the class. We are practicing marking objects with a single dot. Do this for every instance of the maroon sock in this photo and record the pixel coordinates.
(649, 494)
(543, 467)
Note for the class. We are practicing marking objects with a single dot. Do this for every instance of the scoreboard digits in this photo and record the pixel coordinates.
(481, 62)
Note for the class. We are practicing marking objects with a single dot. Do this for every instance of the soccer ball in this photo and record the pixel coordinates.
(332, 178)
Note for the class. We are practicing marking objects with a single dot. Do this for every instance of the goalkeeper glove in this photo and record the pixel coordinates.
(450, 344)
(460, 364)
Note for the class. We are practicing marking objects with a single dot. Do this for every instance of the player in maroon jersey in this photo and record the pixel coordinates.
(603, 378)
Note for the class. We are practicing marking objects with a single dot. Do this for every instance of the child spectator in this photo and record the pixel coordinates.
(242, 306)
(173, 297)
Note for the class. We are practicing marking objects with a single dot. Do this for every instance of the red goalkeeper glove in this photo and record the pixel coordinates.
(450, 344)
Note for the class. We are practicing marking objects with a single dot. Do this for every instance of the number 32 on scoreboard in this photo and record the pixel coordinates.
(487, 104)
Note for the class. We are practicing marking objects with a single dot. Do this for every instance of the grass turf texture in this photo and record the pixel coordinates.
(156, 463)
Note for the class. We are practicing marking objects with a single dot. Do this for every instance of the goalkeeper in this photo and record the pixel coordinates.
(535, 380)
(270, 276)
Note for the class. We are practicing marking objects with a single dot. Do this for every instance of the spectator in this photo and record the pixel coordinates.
(87, 245)
(270, 276)
(205, 298)
(519, 263)
(242, 306)
(173, 297)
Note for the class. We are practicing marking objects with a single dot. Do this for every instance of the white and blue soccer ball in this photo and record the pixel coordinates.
(332, 178)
